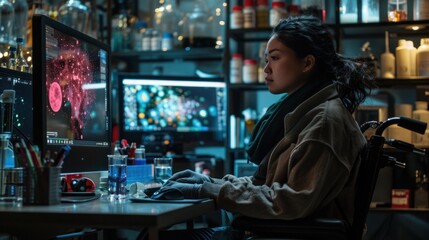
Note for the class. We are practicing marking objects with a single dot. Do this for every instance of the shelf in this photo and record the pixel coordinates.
(201, 54)
(401, 210)
(248, 86)
(396, 82)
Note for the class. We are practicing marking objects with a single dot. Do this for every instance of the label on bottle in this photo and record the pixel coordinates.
(249, 18)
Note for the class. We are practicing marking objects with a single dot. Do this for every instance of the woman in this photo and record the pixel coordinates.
(307, 144)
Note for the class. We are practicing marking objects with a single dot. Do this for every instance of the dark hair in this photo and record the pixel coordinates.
(306, 35)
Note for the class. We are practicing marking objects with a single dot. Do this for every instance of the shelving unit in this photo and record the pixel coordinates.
(341, 32)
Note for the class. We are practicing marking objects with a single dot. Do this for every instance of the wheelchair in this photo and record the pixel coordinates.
(373, 159)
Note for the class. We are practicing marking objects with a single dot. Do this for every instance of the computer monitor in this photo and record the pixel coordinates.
(172, 113)
(21, 82)
(71, 90)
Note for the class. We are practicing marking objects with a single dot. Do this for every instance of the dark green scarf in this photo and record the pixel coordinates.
(269, 130)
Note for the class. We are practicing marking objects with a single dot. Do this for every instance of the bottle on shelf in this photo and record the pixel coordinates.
(397, 10)
(75, 14)
(421, 10)
(20, 20)
(236, 20)
(155, 41)
(403, 59)
(370, 11)
(120, 28)
(421, 114)
(236, 68)
(348, 11)
(277, 12)
(140, 28)
(422, 58)
(21, 62)
(413, 54)
(6, 23)
(249, 14)
(12, 58)
(261, 65)
(167, 41)
(250, 71)
(198, 28)
(262, 14)
(167, 18)
(387, 60)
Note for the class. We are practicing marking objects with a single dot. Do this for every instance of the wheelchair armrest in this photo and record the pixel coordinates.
(308, 228)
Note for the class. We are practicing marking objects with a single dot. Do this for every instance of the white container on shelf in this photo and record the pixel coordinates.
(387, 61)
(250, 71)
(422, 114)
(277, 12)
(422, 59)
(413, 55)
(236, 17)
(236, 68)
(403, 59)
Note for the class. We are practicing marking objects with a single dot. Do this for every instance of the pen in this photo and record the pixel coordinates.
(58, 162)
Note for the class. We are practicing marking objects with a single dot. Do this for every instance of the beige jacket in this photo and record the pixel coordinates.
(310, 172)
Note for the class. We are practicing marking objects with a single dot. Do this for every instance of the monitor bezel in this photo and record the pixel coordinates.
(91, 158)
(188, 141)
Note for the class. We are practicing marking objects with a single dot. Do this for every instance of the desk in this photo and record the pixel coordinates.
(44, 221)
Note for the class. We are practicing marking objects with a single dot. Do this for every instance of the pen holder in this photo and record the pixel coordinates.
(42, 186)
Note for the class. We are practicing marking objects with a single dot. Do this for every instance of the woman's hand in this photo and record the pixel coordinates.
(188, 176)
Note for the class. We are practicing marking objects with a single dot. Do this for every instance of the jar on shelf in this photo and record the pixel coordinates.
(262, 14)
(236, 20)
(249, 14)
(277, 12)
(198, 28)
(250, 71)
(397, 10)
(74, 14)
(236, 68)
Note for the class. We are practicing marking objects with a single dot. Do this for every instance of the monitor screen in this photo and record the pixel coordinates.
(23, 108)
(71, 89)
(161, 110)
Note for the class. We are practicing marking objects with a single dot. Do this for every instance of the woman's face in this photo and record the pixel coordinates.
(284, 71)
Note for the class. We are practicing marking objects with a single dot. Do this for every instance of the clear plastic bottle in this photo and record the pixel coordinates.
(20, 19)
(74, 14)
(6, 21)
(21, 62)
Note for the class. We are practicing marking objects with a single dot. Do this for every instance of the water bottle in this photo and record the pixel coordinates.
(20, 20)
(6, 22)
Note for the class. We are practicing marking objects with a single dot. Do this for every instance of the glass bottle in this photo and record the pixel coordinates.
(74, 14)
(12, 58)
(21, 63)
(370, 11)
(120, 28)
(20, 19)
(167, 18)
(397, 10)
(6, 22)
(198, 28)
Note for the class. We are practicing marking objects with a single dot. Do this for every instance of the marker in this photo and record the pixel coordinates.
(59, 160)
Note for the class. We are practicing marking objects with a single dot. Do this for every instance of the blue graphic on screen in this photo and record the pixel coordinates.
(180, 106)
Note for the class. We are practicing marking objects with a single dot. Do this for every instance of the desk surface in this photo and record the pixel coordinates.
(100, 213)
